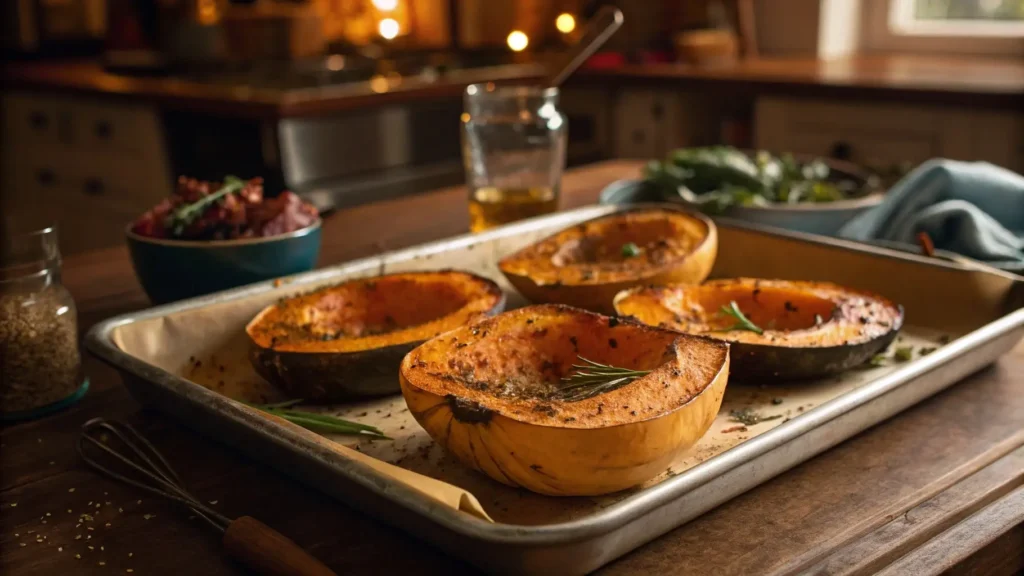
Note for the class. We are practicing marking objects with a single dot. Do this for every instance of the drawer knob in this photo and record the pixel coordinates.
(841, 151)
(93, 187)
(45, 177)
(38, 120)
(103, 130)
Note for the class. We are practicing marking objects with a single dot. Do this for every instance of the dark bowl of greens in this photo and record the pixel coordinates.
(796, 193)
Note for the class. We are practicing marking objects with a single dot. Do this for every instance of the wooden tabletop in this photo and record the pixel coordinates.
(940, 486)
(974, 81)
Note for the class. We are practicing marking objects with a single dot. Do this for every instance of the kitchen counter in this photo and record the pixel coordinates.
(249, 101)
(935, 488)
(970, 81)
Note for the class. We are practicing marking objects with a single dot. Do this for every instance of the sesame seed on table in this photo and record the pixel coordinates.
(58, 517)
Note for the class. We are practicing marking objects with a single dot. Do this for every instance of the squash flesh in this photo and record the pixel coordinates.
(347, 341)
(786, 310)
(374, 312)
(585, 265)
(456, 386)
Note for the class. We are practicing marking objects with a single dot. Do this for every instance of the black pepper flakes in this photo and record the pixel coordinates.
(613, 343)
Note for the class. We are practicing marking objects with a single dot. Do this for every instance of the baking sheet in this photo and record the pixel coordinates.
(203, 342)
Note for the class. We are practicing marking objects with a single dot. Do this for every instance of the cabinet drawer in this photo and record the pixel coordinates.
(102, 128)
(32, 121)
(866, 149)
(90, 222)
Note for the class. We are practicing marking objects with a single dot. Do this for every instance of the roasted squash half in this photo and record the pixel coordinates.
(347, 340)
(810, 329)
(490, 394)
(588, 264)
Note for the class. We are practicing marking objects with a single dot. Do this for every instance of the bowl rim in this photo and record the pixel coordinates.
(872, 199)
(130, 235)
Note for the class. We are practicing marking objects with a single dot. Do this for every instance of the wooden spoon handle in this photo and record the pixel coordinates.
(268, 552)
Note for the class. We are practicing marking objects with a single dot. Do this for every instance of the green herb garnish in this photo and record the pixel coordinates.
(322, 423)
(903, 354)
(877, 360)
(927, 350)
(187, 214)
(591, 378)
(742, 322)
(630, 250)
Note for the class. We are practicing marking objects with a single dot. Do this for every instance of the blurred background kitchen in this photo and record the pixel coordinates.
(345, 102)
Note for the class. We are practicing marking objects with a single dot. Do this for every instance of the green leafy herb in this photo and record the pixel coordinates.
(322, 423)
(591, 378)
(903, 354)
(187, 214)
(877, 360)
(630, 250)
(927, 350)
(742, 322)
(714, 179)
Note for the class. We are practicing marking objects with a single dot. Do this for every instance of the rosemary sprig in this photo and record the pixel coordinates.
(742, 322)
(187, 214)
(316, 422)
(591, 378)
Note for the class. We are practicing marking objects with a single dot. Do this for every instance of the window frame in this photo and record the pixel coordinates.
(968, 37)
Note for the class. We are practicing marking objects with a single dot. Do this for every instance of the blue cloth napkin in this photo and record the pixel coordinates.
(973, 208)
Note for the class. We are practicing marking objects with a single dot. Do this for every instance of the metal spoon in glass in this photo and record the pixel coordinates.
(600, 28)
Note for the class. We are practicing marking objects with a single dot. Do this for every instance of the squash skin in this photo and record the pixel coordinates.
(593, 286)
(756, 359)
(600, 445)
(325, 376)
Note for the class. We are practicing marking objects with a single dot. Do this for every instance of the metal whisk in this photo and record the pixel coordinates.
(246, 539)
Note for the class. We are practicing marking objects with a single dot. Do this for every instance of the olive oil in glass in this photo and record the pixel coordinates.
(513, 147)
(491, 206)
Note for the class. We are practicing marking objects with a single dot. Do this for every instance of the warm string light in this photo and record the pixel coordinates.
(518, 41)
(388, 28)
(565, 23)
(385, 5)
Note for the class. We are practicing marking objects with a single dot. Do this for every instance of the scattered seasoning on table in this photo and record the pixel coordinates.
(735, 429)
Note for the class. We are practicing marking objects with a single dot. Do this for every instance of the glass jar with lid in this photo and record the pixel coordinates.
(40, 365)
(513, 148)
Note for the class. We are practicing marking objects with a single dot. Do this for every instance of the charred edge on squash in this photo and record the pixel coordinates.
(465, 410)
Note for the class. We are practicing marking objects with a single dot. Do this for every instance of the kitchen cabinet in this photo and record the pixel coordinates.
(885, 134)
(646, 122)
(87, 166)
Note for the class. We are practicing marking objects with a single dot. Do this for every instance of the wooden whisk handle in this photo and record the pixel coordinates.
(268, 552)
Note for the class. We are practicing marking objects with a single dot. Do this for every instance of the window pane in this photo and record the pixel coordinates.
(969, 9)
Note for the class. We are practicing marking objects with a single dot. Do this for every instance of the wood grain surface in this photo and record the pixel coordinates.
(972, 81)
(935, 488)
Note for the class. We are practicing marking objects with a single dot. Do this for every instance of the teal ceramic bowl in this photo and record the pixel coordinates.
(172, 270)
